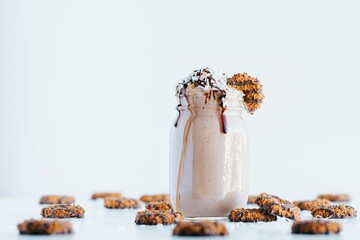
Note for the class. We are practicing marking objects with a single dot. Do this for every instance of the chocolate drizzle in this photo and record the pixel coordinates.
(223, 121)
(207, 97)
(178, 118)
(178, 109)
(180, 93)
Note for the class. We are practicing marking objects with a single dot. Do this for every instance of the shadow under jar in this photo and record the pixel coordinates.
(208, 154)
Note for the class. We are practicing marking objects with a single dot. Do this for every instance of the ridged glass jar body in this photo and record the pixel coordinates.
(208, 168)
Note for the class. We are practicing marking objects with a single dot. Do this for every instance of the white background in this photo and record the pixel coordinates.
(87, 91)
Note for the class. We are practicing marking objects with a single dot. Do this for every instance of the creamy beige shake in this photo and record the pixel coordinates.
(208, 157)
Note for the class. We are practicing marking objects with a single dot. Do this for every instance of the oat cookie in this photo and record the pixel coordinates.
(44, 227)
(276, 206)
(149, 217)
(251, 199)
(315, 227)
(310, 205)
(106, 194)
(63, 211)
(162, 206)
(203, 228)
(334, 211)
(336, 197)
(155, 198)
(113, 202)
(252, 89)
(56, 199)
(250, 215)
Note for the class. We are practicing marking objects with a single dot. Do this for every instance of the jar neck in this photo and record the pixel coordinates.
(200, 102)
(212, 110)
(199, 99)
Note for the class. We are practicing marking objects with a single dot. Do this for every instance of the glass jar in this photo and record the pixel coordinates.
(208, 155)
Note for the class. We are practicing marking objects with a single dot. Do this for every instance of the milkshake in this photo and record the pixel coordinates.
(208, 150)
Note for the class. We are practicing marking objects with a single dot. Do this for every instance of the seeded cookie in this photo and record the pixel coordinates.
(251, 199)
(106, 194)
(252, 89)
(276, 206)
(113, 202)
(155, 198)
(334, 211)
(56, 199)
(63, 211)
(250, 215)
(44, 227)
(315, 227)
(312, 204)
(203, 228)
(149, 217)
(336, 197)
(162, 206)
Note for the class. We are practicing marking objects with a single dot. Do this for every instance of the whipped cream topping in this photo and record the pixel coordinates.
(206, 79)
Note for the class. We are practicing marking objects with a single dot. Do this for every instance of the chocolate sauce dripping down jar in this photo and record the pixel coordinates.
(208, 154)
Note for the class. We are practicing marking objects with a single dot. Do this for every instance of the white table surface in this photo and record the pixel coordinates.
(102, 223)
